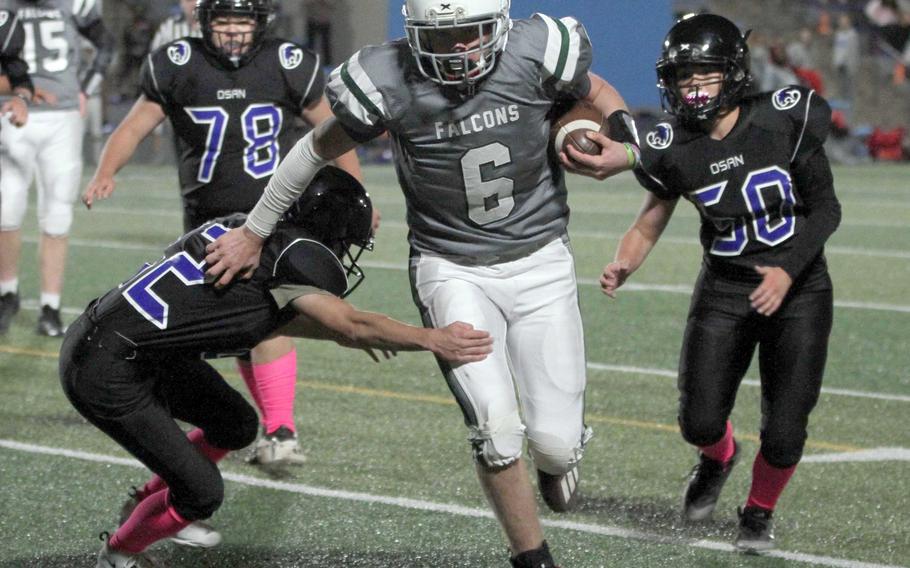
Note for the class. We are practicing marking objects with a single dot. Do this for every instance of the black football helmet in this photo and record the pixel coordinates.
(709, 41)
(259, 10)
(336, 210)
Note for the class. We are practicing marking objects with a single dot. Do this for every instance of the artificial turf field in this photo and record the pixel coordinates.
(389, 481)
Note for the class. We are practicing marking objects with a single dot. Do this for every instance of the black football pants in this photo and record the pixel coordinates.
(720, 339)
(136, 402)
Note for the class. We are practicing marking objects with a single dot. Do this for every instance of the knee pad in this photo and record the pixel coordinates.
(781, 450)
(201, 497)
(554, 455)
(57, 218)
(12, 212)
(498, 443)
(701, 430)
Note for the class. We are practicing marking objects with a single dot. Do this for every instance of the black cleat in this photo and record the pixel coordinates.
(49, 323)
(9, 307)
(536, 558)
(705, 482)
(559, 492)
(755, 534)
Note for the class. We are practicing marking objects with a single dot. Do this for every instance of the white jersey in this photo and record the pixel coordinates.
(52, 36)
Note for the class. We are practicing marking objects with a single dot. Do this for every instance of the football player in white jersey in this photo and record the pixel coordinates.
(49, 147)
(467, 100)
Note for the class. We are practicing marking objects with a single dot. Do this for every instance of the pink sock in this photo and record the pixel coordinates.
(246, 371)
(768, 482)
(276, 382)
(722, 450)
(152, 520)
(197, 438)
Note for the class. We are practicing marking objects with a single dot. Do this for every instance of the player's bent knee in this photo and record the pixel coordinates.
(783, 451)
(205, 496)
(700, 430)
(555, 455)
(58, 220)
(237, 433)
(498, 443)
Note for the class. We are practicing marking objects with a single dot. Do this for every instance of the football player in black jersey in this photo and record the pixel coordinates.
(233, 96)
(131, 364)
(754, 167)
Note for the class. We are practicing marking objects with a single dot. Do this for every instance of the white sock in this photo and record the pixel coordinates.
(9, 286)
(50, 300)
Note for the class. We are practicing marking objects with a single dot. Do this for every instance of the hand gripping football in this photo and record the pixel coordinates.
(570, 129)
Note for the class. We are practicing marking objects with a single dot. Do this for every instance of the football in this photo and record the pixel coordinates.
(571, 127)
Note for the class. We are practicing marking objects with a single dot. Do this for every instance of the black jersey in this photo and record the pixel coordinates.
(169, 306)
(765, 192)
(233, 125)
(12, 39)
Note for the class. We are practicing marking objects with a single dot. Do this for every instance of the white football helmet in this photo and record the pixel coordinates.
(456, 42)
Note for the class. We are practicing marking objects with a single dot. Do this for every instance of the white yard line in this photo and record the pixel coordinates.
(873, 455)
(456, 510)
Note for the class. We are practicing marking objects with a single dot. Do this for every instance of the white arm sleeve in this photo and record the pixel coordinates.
(294, 174)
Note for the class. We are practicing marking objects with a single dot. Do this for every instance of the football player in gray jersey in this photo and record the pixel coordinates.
(50, 145)
(466, 99)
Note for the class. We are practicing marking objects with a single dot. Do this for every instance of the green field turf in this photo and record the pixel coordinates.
(389, 480)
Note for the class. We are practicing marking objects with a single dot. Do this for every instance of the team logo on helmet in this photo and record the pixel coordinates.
(785, 99)
(661, 137)
(291, 56)
(4, 17)
(179, 52)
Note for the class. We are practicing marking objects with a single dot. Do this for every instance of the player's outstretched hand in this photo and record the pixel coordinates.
(613, 158)
(99, 188)
(17, 111)
(459, 342)
(235, 252)
(614, 276)
(770, 294)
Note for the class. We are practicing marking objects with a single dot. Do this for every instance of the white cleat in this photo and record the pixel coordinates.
(108, 558)
(279, 447)
(198, 535)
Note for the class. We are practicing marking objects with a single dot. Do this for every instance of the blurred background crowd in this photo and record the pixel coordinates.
(854, 52)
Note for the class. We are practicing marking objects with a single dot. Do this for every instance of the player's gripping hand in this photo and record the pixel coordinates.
(613, 158)
(459, 342)
(43, 97)
(99, 188)
(770, 294)
(17, 111)
(614, 276)
(235, 252)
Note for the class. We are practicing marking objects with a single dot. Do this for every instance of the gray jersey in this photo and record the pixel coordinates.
(52, 30)
(171, 30)
(477, 174)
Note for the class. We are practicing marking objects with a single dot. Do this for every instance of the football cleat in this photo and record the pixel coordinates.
(49, 323)
(9, 307)
(705, 482)
(197, 534)
(559, 492)
(109, 558)
(536, 558)
(755, 535)
(279, 447)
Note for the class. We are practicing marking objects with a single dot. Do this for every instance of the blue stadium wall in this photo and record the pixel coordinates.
(626, 35)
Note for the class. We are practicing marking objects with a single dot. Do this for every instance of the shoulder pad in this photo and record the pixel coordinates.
(355, 83)
(561, 47)
(178, 53)
(805, 114)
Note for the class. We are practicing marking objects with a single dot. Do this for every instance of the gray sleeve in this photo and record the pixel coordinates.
(565, 55)
(287, 293)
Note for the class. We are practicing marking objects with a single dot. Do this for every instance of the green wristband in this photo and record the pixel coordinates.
(631, 154)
